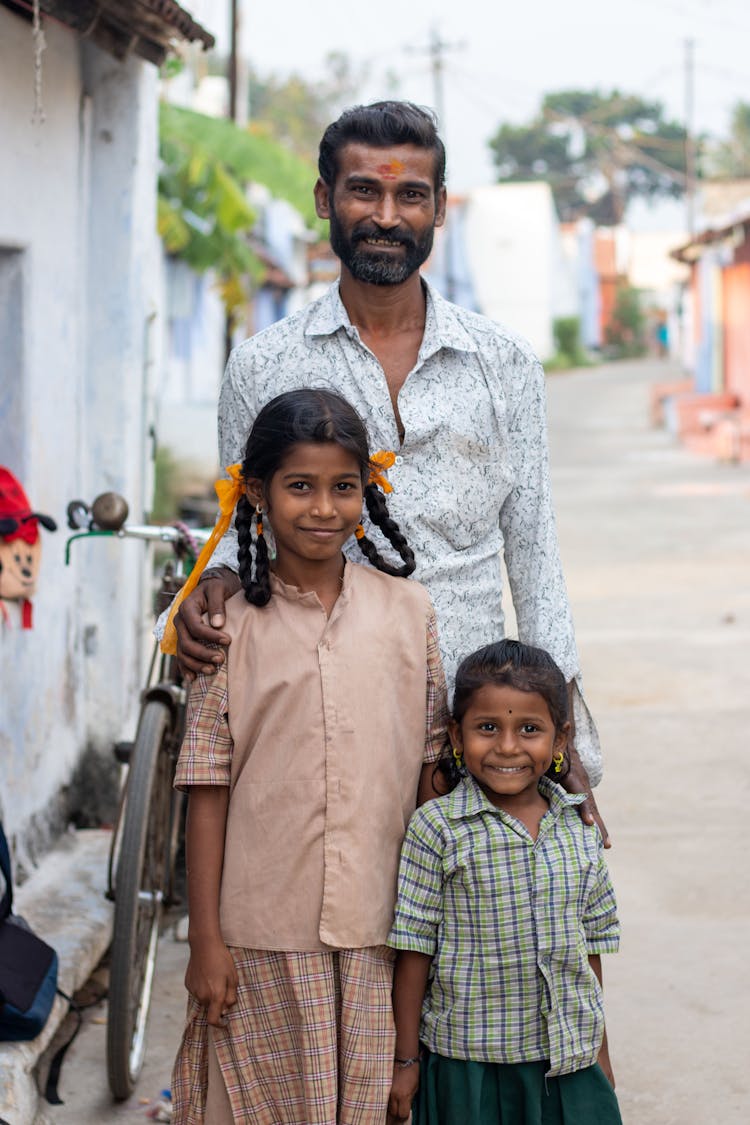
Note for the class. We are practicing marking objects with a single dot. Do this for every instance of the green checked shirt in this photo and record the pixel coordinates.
(509, 922)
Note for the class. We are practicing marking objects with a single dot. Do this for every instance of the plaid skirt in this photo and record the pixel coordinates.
(310, 1041)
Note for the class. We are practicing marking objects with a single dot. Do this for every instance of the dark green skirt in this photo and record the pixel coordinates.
(457, 1092)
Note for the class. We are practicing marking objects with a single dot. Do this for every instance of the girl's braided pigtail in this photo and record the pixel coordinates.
(258, 588)
(378, 510)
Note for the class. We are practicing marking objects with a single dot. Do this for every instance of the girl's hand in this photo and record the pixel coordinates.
(211, 977)
(403, 1088)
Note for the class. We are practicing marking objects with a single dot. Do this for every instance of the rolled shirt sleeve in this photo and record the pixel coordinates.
(419, 907)
(206, 752)
(600, 923)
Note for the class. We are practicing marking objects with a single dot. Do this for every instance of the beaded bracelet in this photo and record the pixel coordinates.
(403, 1063)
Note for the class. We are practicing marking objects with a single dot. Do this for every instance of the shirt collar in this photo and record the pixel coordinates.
(443, 324)
(469, 799)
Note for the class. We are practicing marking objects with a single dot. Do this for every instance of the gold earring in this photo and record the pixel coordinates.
(557, 762)
(458, 757)
(259, 520)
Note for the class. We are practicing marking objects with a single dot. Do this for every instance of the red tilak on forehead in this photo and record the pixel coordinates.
(392, 169)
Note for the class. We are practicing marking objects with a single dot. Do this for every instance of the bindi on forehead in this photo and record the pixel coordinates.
(391, 169)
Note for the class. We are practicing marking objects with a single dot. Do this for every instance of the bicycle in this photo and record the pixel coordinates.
(145, 840)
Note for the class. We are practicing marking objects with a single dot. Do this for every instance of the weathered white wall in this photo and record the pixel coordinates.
(520, 275)
(77, 204)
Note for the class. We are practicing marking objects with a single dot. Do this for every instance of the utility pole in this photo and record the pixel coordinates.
(690, 134)
(232, 73)
(232, 66)
(436, 49)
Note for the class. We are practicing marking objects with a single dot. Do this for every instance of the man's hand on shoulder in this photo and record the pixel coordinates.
(196, 639)
(576, 780)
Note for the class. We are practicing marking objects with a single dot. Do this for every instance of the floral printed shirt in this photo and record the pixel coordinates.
(471, 479)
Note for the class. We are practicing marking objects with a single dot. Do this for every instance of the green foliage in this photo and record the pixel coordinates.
(203, 213)
(596, 150)
(569, 351)
(167, 478)
(625, 335)
(730, 159)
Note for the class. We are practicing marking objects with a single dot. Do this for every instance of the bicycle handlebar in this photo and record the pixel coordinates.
(151, 533)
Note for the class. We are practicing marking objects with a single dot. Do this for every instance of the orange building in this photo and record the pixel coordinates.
(715, 417)
(605, 264)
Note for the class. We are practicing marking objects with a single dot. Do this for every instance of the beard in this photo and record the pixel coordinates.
(366, 264)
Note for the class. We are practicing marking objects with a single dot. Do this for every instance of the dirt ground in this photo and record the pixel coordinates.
(656, 546)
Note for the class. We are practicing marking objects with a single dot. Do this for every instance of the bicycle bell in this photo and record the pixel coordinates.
(110, 510)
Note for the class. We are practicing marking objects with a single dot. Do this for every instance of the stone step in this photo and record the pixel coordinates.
(63, 902)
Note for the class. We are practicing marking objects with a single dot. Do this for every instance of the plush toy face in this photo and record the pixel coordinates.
(19, 567)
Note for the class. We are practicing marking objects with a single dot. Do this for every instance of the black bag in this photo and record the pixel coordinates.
(28, 968)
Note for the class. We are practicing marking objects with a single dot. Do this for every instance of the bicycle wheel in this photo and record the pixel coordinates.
(143, 870)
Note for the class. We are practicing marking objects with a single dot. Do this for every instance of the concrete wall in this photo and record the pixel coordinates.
(78, 257)
(520, 274)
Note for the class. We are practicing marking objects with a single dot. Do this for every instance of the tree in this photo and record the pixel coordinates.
(596, 150)
(204, 215)
(730, 159)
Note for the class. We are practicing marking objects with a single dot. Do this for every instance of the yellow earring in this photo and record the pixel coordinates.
(557, 762)
(458, 756)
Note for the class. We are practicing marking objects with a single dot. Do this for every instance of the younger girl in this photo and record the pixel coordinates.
(504, 906)
(302, 761)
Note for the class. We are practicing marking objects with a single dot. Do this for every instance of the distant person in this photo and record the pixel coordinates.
(662, 339)
(458, 398)
(504, 907)
(303, 760)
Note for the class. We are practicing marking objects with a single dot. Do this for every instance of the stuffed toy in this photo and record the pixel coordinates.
(20, 546)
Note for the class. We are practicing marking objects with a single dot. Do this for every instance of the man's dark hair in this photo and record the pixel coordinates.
(381, 125)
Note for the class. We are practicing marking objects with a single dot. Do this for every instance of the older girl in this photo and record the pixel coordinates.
(302, 760)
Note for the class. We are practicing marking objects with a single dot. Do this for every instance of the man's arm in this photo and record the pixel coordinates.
(577, 780)
(532, 557)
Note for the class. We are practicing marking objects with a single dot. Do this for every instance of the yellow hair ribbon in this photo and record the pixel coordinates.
(228, 492)
(379, 462)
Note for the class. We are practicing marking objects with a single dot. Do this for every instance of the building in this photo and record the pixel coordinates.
(714, 418)
(520, 273)
(81, 318)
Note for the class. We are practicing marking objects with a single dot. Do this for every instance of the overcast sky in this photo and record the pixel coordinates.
(504, 56)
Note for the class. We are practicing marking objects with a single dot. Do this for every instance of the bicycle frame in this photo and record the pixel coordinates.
(163, 678)
(141, 866)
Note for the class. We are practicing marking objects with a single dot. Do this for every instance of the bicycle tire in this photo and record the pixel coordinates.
(143, 871)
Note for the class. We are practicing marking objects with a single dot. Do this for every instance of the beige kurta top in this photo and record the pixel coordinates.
(330, 720)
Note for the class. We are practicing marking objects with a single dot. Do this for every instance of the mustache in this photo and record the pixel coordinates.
(395, 237)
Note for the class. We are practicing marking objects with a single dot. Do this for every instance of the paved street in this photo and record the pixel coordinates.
(656, 546)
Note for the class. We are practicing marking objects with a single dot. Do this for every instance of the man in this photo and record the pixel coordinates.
(457, 397)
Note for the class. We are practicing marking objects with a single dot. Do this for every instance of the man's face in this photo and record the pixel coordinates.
(383, 211)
